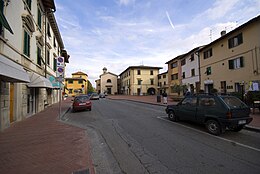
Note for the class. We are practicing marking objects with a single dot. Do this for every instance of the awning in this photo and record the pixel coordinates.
(54, 82)
(37, 81)
(11, 71)
(4, 22)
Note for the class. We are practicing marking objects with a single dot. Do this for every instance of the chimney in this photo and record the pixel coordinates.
(222, 33)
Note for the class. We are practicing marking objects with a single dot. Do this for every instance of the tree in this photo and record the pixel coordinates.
(90, 87)
(179, 88)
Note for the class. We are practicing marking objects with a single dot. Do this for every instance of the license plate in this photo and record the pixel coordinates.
(82, 104)
(242, 122)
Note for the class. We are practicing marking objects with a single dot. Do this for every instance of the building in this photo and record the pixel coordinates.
(108, 83)
(232, 62)
(163, 83)
(139, 80)
(190, 74)
(77, 84)
(174, 74)
(30, 42)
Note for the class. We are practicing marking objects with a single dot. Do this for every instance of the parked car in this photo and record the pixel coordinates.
(102, 95)
(217, 112)
(94, 96)
(81, 102)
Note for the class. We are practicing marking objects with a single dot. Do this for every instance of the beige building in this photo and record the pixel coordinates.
(232, 62)
(163, 83)
(107, 83)
(139, 80)
(30, 42)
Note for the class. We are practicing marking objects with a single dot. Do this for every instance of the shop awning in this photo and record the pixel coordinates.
(37, 81)
(11, 71)
(54, 82)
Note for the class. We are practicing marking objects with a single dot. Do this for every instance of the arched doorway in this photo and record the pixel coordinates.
(151, 91)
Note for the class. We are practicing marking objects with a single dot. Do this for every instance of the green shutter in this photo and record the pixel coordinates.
(231, 64)
(39, 18)
(241, 62)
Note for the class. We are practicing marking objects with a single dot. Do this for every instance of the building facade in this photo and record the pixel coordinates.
(77, 84)
(232, 62)
(139, 80)
(30, 42)
(163, 83)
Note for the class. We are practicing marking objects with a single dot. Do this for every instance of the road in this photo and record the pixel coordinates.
(130, 137)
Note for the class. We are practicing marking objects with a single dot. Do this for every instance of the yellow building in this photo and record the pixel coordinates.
(174, 74)
(232, 62)
(163, 83)
(77, 84)
(139, 80)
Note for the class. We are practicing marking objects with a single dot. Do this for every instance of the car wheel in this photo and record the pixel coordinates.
(89, 109)
(172, 116)
(213, 127)
(238, 128)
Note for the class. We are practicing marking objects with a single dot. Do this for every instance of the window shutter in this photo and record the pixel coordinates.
(241, 62)
(240, 38)
(231, 64)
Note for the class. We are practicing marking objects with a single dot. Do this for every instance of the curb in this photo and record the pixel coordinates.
(247, 127)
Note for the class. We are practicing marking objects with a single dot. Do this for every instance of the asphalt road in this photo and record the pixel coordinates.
(130, 137)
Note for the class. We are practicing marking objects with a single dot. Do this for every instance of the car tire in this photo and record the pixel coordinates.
(213, 127)
(238, 128)
(172, 116)
(89, 109)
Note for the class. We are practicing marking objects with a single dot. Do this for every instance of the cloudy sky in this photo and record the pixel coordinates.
(121, 33)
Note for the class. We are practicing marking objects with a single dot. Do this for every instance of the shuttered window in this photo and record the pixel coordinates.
(26, 46)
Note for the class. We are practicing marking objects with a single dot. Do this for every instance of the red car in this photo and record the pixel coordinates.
(81, 102)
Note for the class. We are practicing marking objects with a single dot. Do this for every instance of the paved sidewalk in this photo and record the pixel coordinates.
(152, 99)
(42, 144)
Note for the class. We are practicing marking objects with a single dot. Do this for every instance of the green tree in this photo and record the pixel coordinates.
(90, 87)
(179, 88)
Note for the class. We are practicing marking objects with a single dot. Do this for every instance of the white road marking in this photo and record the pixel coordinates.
(224, 139)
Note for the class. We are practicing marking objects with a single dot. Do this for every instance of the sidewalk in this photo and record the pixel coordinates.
(152, 99)
(42, 144)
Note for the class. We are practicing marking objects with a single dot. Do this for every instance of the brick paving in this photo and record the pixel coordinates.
(152, 99)
(41, 144)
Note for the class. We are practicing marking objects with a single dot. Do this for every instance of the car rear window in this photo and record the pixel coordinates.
(234, 102)
(82, 99)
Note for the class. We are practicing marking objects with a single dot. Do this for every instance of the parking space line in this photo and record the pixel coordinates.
(224, 139)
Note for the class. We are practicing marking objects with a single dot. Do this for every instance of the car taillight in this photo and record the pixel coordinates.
(88, 102)
(229, 115)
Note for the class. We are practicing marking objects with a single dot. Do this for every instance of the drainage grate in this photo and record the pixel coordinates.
(85, 171)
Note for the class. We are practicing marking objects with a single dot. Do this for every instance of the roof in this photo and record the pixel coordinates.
(108, 73)
(79, 73)
(49, 4)
(176, 58)
(256, 19)
(141, 67)
(163, 73)
(74, 78)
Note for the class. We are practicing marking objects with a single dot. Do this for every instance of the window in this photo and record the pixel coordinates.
(139, 81)
(39, 21)
(80, 82)
(70, 81)
(236, 63)
(48, 57)
(152, 81)
(109, 81)
(164, 76)
(48, 30)
(208, 71)
(160, 84)
(235, 41)
(26, 46)
(207, 101)
(159, 77)
(129, 73)
(174, 65)
(54, 42)
(183, 62)
(138, 72)
(207, 53)
(29, 3)
(183, 75)
(164, 83)
(151, 72)
(39, 56)
(192, 72)
(70, 91)
(190, 101)
(54, 63)
(174, 76)
(192, 57)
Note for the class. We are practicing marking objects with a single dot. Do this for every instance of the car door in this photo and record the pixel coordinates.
(208, 106)
(187, 108)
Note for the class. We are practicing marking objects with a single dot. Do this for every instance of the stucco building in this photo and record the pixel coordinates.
(108, 83)
(30, 42)
(163, 83)
(139, 80)
(77, 84)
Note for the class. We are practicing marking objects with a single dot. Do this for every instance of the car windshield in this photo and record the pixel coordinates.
(234, 102)
(82, 99)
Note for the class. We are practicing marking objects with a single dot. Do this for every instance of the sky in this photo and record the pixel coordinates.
(117, 34)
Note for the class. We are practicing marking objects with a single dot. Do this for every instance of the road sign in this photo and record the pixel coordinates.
(60, 62)
(60, 67)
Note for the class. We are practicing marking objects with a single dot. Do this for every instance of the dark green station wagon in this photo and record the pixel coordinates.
(217, 112)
